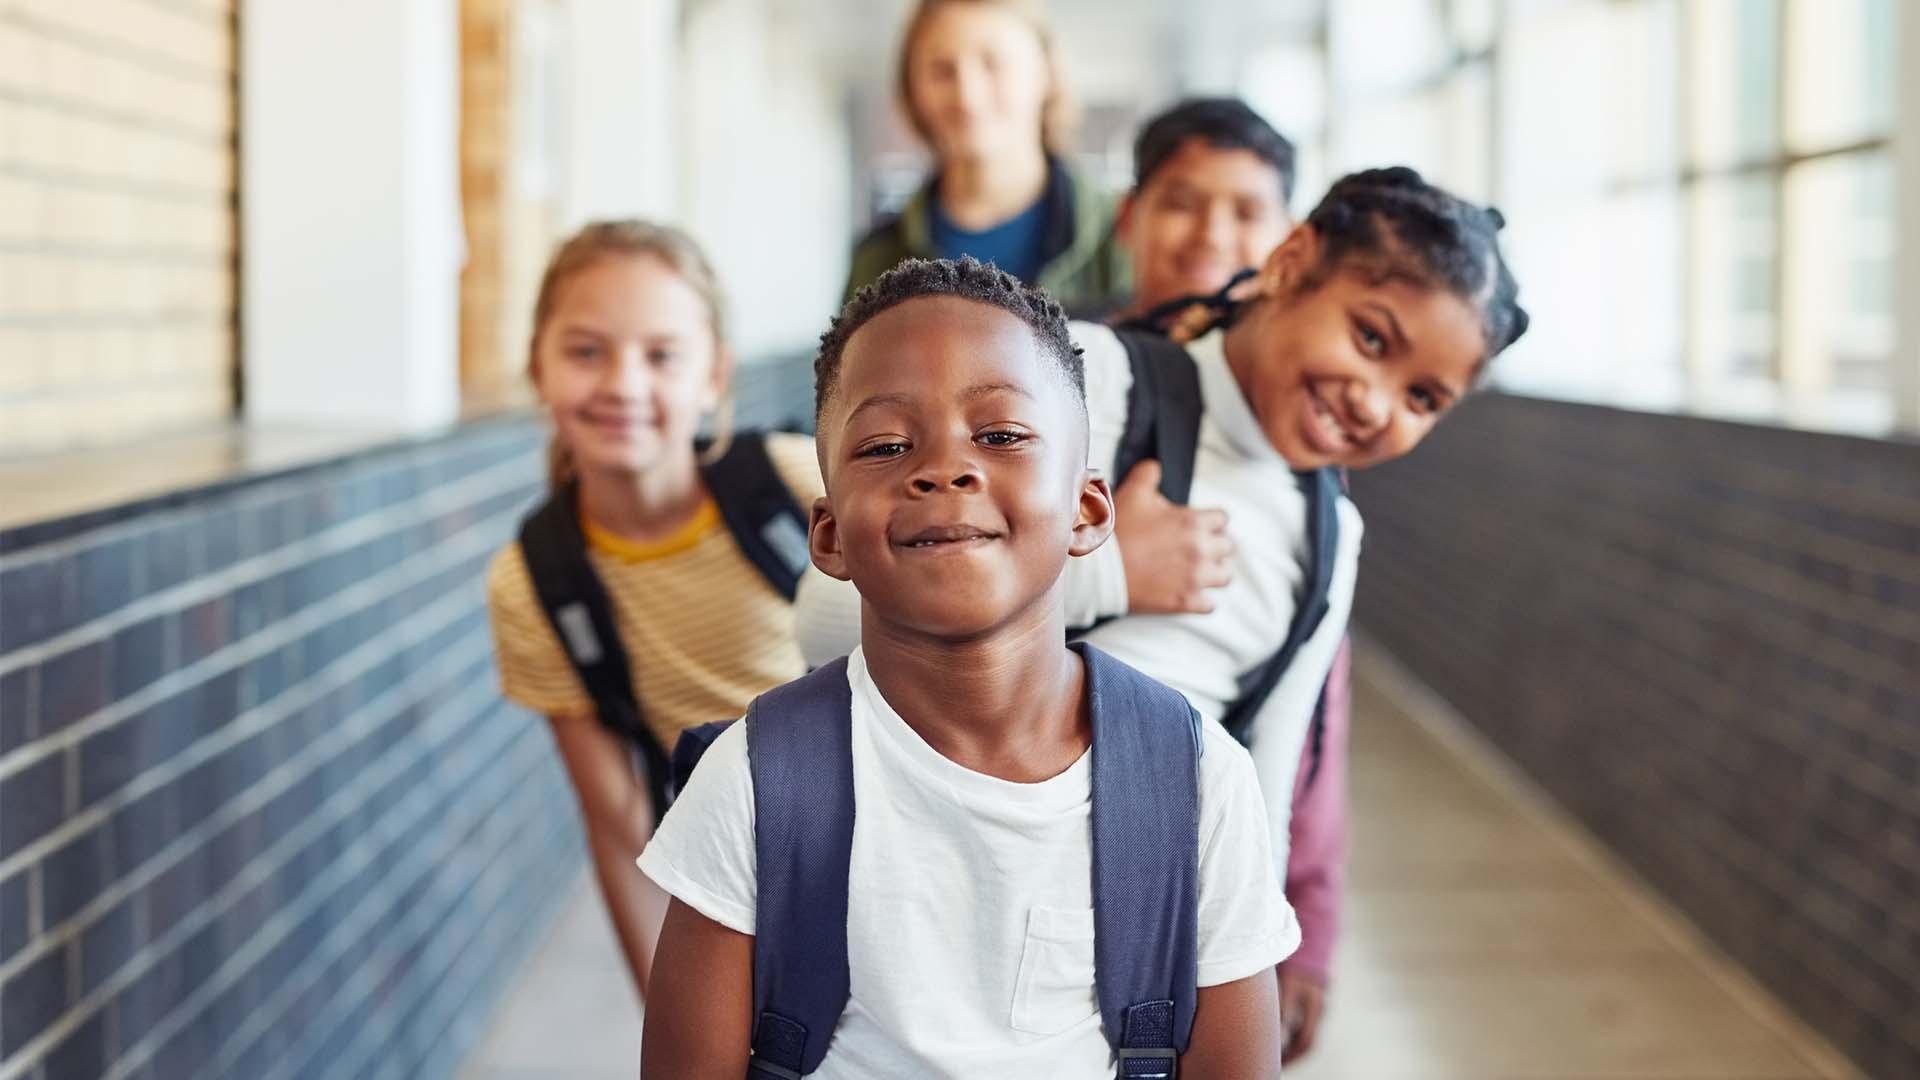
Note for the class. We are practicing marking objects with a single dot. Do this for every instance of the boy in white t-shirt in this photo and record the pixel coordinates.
(953, 441)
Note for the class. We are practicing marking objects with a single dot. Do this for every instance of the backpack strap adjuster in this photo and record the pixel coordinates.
(1149, 1063)
(779, 1044)
(759, 1068)
(1146, 1050)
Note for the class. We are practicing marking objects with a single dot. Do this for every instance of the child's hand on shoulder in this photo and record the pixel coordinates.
(1174, 555)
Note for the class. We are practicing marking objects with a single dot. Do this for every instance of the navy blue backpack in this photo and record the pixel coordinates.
(1163, 424)
(1146, 872)
(767, 524)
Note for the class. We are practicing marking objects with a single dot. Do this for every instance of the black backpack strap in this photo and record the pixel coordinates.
(1146, 864)
(1317, 731)
(577, 604)
(768, 524)
(800, 745)
(1163, 412)
(1323, 545)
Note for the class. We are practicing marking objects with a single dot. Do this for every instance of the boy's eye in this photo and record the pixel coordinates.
(882, 450)
(583, 352)
(663, 357)
(1424, 400)
(1004, 438)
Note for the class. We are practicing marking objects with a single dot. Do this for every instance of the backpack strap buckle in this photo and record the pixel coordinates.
(779, 1045)
(1146, 1049)
(1149, 1063)
(760, 1069)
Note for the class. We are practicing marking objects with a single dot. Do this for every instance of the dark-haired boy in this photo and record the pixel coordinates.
(953, 440)
(1212, 181)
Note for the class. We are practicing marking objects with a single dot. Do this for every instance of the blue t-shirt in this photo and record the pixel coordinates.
(1015, 245)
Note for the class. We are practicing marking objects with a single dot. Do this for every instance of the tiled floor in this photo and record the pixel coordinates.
(573, 1015)
(1487, 940)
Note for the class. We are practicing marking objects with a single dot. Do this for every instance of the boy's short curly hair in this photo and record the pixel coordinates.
(967, 278)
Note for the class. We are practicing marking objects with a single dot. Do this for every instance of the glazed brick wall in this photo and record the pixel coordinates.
(1704, 639)
(263, 813)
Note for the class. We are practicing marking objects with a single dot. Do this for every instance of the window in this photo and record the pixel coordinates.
(1286, 82)
(1701, 191)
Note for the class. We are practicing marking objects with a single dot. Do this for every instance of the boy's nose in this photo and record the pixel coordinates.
(930, 482)
(944, 471)
(1220, 226)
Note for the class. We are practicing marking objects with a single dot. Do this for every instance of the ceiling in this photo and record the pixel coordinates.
(1110, 47)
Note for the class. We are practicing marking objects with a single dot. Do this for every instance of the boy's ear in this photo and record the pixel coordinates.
(1094, 521)
(823, 541)
(1291, 263)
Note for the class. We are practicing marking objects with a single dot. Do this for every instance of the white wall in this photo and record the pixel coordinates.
(349, 175)
(621, 140)
(764, 152)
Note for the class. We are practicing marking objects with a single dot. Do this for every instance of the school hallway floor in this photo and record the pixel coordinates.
(1487, 939)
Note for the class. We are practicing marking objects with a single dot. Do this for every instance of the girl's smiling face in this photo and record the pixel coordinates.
(977, 80)
(628, 363)
(1353, 369)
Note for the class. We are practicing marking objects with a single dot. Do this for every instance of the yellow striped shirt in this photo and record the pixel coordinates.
(704, 632)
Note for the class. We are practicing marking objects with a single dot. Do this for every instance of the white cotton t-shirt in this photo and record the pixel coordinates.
(970, 908)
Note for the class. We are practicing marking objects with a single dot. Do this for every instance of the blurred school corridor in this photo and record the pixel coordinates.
(1637, 747)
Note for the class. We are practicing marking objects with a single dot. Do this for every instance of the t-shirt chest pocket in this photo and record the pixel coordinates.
(1054, 989)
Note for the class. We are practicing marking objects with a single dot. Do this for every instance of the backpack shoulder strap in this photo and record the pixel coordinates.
(577, 604)
(800, 747)
(1323, 547)
(693, 744)
(1146, 863)
(1163, 412)
(767, 522)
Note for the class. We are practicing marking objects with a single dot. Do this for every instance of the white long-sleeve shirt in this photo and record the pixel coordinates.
(1203, 656)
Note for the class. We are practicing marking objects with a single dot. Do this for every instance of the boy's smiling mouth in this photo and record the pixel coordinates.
(945, 538)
